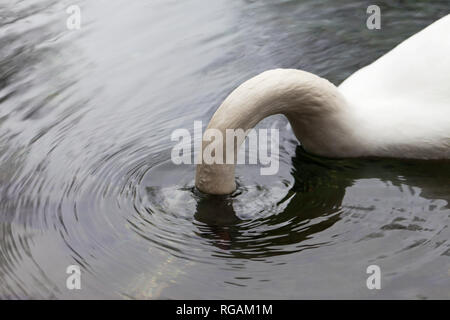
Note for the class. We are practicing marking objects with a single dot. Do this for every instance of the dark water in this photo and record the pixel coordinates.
(86, 176)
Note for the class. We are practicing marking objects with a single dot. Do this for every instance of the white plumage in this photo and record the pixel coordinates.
(398, 106)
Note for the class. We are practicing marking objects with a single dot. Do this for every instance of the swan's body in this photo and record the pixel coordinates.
(399, 106)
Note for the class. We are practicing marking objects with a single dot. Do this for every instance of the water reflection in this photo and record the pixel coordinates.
(313, 204)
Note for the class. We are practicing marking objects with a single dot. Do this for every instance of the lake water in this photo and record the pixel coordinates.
(86, 178)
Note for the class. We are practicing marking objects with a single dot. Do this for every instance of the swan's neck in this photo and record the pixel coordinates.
(314, 107)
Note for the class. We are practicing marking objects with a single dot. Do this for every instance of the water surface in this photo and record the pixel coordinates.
(86, 177)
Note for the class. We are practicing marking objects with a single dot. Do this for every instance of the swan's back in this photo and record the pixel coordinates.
(405, 94)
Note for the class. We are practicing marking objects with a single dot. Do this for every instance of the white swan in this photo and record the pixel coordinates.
(398, 106)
